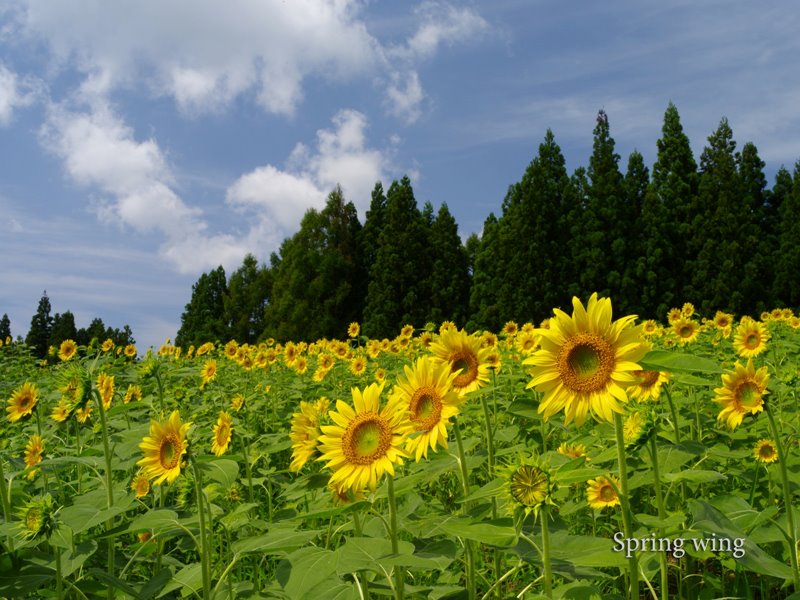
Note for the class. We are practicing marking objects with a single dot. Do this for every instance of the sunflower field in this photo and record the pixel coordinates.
(586, 457)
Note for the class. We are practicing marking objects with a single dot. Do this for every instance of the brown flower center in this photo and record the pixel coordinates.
(467, 363)
(748, 394)
(585, 363)
(607, 493)
(751, 342)
(649, 378)
(170, 452)
(367, 438)
(426, 408)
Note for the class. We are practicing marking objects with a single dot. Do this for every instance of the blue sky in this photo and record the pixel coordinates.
(145, 142)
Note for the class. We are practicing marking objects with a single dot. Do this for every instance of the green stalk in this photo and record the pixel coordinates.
(362, 575)
(487, 417)
(6, 502)
(398, 573)
(633, 562)
(59, 578)
(548, 572)
(204, 549)
(470, 556)
(662, 514)
(109, 488)
(674, 415)
(787, 497)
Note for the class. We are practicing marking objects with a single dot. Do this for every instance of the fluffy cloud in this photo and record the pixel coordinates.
(14, 93)
(341, 157)
(205, 54)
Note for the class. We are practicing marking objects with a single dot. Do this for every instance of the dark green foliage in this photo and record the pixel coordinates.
(203, 319)
(38, 338)
(63, 329)
(318, 279)
(449, 276)
(397, 293)
(5, 328)
(484, 301)
(787, 269)
(635, 186)
(246, 300)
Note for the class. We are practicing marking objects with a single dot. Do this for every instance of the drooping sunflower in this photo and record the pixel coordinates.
(751, 338)
(83, 414)
(222, 434)
(686, 330)
(140, 484)
(765, 451)
(601, 492)
(208, 372)
(61, 411)
(586, 362)
(37, 518)
(305, 432)
(107, 345)
(164, 448)
(34, 450)
(67, 350)
(22, 402)
(573, 451)
(105, 386)
(237, 402)
(353, 330)
(426, 393)
(466, 357)
(365, 441)
(134, 392)
(407, 330)
(637, 428)
(742, 393)
(648, 386)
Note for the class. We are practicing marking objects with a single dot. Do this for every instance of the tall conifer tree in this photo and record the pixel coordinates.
(38, 337)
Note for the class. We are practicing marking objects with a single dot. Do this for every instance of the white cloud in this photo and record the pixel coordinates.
(341, 157)
(14, 93)
(441, 23)
(404, 97)
(204, 54)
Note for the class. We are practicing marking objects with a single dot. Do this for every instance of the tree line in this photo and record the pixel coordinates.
(49, 330)
(710, 232)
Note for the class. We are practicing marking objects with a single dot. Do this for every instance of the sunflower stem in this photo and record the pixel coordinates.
(204, 548)
(627, 522)
(787, 497)
(548, 573)
(5, 502)
(468, 550)
(362, 575)
(662, 514)
(398, 573)
(487, 417)
(674, 415)
(109, 488)
(59, 578)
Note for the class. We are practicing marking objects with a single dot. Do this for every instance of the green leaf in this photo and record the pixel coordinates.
(664, 360)
(498, 532)
(524, 407)
(369, 554)
(585, 551)
(155, 520)
(222, 470)
(112, 581)
(72, 560)
(23, 582)
(276, 541)
(189, 579)
(669, 522)
(312, 573)
(699, 476)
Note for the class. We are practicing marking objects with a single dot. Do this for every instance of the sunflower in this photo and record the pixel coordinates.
(364, 443)
(751, 338)
(300, 365)
(83, 414)
(105, 386)
(425, 338)
(586, 361)
(22, 402)
(34, 450)
(447, 326)
(723, 319)
(358, 366)
(231, 348)
(37, 518)
(686, 330)
(134, 392)
(649, 327)
(204, 349)
(573, 451)
(208, 372)
(67, 350)
(320, 374)
(648, 386)
(602, 492)
(237, 402)
(407, 330)
(488, 339)
(673, 315)
(427, 395)
(164, 448)
(742, 392)
(305, 432)
(380, 375)
(107, 345)
(526, 342)
(222, 434)
(140, 484)
(510, 328)
(465, 356)
(637, 429)
(61, 411)
(765, 451)
(687, 310)
(353, 330)
(528, 486)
